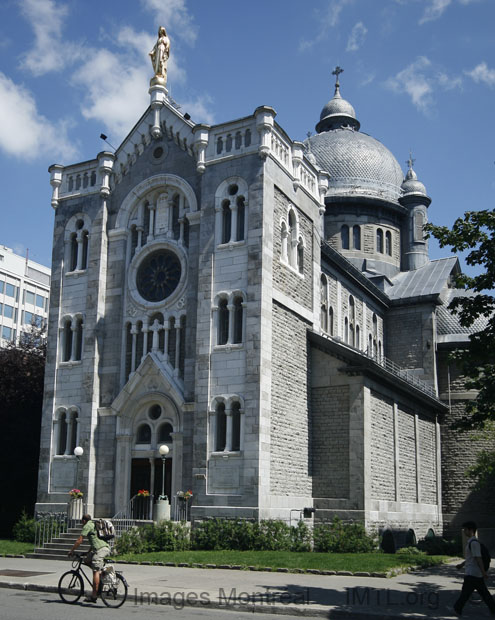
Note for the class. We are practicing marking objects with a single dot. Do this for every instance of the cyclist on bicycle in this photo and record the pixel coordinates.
(99, 550)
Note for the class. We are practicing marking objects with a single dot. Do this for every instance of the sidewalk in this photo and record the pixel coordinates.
(422, 594)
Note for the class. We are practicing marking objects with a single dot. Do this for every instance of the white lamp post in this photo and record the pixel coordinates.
(78, 452)
(163, 450)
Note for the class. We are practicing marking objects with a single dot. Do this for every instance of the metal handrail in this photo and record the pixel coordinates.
(389, 365)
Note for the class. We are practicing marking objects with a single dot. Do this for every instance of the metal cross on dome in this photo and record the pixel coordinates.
(337, 71)
(410, 161)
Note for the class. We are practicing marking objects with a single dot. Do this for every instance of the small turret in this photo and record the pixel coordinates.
(417, 201)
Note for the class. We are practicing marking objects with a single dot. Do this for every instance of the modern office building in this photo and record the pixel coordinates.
(24, 295)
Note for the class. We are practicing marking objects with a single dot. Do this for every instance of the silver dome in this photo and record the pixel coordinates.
(411, 185)
(357, 163)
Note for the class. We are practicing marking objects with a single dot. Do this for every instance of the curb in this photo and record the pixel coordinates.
(267, 608)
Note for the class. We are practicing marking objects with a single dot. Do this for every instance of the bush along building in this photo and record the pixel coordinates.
(266, 308)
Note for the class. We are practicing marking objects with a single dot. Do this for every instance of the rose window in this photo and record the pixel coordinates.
(158, 275)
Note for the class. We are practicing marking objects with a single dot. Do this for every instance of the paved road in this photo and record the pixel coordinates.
(419, 595)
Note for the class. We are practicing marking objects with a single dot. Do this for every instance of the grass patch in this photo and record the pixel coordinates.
(15, 547)
(354, 562)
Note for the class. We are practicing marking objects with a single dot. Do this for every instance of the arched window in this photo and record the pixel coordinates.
(241, 214)
(358, 338)
(67, 341)
(223, 322)
(85, 241)
(238, 319)
(143, 435)
(388, 243)
(352, 321)
(226, 222)
(346, 330)
(221, 428)
(356, 237)
(330, 321)
(419, 222)
(62, 433)
(73, 252)
(236, 426)
(165, 433)
(78, 337)
(324, 302)
(379, 240)
(344, 237)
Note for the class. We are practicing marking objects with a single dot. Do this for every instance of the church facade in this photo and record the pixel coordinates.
(264, 307)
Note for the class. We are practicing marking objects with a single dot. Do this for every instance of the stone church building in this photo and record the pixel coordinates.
(265, 307)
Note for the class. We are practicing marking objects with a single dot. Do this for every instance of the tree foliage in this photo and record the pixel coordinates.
(22, 369)
(475, 234)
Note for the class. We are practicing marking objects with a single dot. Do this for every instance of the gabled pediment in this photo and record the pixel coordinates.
(151, 377)
(173, 125)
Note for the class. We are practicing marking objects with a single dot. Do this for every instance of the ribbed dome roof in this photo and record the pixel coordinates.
(357, 163)
(411, 185)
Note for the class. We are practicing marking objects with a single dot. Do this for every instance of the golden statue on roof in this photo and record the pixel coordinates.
(159, 57)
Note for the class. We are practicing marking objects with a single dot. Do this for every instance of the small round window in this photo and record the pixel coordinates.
(155, 412)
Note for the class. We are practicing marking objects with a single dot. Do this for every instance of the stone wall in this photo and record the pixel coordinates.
(330, 441)
(289, 425)
(382, 448)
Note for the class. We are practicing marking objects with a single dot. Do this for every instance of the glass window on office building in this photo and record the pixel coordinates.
(29, 298)
(8, 311)
(28, 318)
(40, 302)
(10, 290)
(2, 284)
(7, 333)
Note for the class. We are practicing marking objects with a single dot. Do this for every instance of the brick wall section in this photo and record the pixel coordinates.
(330, 441)
(427, 461)
(404, 340)
(289, 426)
(407, 457)
(382, 448)
(299, 288)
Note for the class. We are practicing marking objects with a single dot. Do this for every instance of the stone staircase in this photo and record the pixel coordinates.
(58, 548)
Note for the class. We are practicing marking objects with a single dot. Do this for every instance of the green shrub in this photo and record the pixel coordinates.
(25, 528)
(301, 537)
(340, 537)
(165, 536)
(410, 551)
(436, 545)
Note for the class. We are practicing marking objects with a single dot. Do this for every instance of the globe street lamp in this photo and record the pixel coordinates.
(78, 452)
(163, 450)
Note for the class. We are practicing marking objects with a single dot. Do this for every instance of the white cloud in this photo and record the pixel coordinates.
(481, 73)
(420, 80)
(327, 19)
(24, 132)
(174, 15)
(199, 109)
(434, 10)
(356, 38)
(413, 81)
(49, 52)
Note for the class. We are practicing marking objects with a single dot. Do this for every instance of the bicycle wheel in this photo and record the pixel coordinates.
(115, 594)
(70, 587)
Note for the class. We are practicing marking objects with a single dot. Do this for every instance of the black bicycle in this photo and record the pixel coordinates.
(113, 586)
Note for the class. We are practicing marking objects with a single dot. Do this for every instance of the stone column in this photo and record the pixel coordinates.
(230, 308)
(228, 431)
(146, 329)
(155, 328)
(122, 472)
(166, 327)
(233, 223)
(177, 347)
(133, 351)
(79, 240)
(152, 209)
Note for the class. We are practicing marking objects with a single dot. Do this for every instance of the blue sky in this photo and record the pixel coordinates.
(419, 73)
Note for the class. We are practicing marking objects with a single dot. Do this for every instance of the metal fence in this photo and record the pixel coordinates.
(49, 525)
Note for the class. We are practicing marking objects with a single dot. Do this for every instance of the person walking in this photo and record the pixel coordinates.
(474, 571)
(99, 550)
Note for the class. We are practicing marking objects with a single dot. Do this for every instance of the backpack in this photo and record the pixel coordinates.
(485, 555)
(104, 529)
